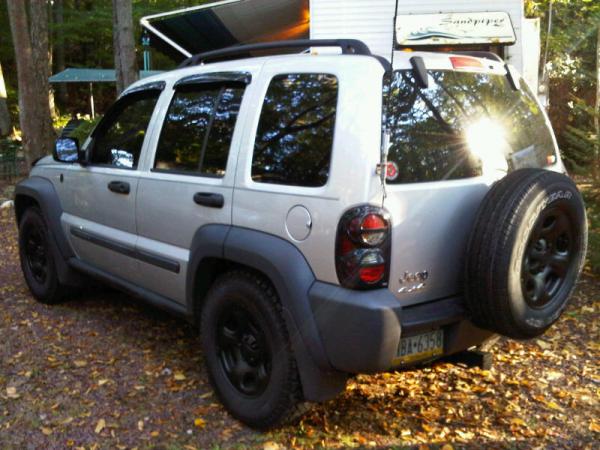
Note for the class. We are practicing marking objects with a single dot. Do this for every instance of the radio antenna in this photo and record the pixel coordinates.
(387, 90)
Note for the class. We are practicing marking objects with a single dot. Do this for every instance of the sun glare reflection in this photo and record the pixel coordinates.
(487, 142)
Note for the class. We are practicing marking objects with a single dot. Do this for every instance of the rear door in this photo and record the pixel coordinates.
(449, 143)
(191, 176)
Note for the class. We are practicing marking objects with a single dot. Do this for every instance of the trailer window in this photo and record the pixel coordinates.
(295, 133)
(463, 125)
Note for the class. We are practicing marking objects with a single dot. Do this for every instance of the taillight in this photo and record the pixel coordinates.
(362, 257)
(465, 62)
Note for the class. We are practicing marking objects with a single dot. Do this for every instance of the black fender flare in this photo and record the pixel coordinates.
(44, 194)
(292, 277)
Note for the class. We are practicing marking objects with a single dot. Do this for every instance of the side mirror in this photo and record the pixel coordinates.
(66, 149)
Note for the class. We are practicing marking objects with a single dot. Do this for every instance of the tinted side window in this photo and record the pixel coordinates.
(295, 131)
(197, 132)
(119, 138)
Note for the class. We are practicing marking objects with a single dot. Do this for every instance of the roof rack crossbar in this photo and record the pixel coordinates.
(348, 46)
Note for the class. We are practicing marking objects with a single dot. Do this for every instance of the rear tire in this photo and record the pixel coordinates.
(37, 258)
(526, 252)
(247, 350)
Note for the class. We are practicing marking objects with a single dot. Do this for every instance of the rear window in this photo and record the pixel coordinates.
(295, 131)
(462, 125)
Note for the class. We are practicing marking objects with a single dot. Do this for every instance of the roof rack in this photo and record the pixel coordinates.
(348, 46)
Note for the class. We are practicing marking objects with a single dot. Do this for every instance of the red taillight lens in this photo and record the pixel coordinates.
(363, 247)
(373, 274)
(370, 229)
(464, 62)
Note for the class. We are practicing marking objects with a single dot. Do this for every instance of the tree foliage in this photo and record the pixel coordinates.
(571, 69)
(85, 36)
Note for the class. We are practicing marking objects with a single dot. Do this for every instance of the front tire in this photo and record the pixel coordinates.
(247, 350)
(37, 258)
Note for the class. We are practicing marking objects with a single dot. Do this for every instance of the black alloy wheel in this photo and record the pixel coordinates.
(36, 252)
(548, 256)
(244, 353)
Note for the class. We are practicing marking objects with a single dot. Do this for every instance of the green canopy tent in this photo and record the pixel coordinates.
(92, 76)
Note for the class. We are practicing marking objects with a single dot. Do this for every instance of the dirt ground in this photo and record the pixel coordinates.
(105, 371)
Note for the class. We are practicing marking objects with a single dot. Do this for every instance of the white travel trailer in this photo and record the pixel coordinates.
(439, 25)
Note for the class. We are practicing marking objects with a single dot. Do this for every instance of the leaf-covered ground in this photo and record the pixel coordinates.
(105, 371)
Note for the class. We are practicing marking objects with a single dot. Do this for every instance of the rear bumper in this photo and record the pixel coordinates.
(361, 330)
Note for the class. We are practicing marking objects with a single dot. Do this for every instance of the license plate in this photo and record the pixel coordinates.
(421, 346)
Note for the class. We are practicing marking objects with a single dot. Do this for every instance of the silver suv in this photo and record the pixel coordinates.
(317, 215)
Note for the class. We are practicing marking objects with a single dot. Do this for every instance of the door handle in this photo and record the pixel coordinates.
(209, 199)
(120, 187)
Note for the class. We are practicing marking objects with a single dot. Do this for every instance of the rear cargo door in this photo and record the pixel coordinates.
(449, 143)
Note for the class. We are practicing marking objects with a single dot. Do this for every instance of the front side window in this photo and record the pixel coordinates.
(295, 132)
(197, 132)
(119, 137)
(464, 124)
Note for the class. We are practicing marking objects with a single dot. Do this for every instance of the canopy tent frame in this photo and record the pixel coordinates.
(91, 76)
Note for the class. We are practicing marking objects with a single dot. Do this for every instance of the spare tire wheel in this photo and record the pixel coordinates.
(525, 253)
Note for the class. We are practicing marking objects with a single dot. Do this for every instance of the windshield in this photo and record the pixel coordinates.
(463, 125)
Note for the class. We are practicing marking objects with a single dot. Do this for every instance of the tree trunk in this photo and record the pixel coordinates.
(38, 21)
(596, 158)
(4, 114)
(59, 49)
(124, 44)
(34, 109)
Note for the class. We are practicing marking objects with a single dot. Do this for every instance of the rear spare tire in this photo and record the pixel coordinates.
(525, 253)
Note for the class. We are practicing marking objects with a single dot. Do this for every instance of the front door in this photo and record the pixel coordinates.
(99, 198)
(190, 183)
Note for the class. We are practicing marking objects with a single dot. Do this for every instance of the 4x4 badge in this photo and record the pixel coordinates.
(412, 281)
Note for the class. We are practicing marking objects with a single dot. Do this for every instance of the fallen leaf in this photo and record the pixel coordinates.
(102, 382)
(270, 446)
(199, 422)
(594, 426)
(553, 375)
(80, 363)
(11, 392)
(100, 426)
(553, 405)
(140, 425)
(46, 431)
(179, 376)
(542, 344)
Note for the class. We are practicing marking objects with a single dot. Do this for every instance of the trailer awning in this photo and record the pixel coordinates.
(188, 31)
(73, 75)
